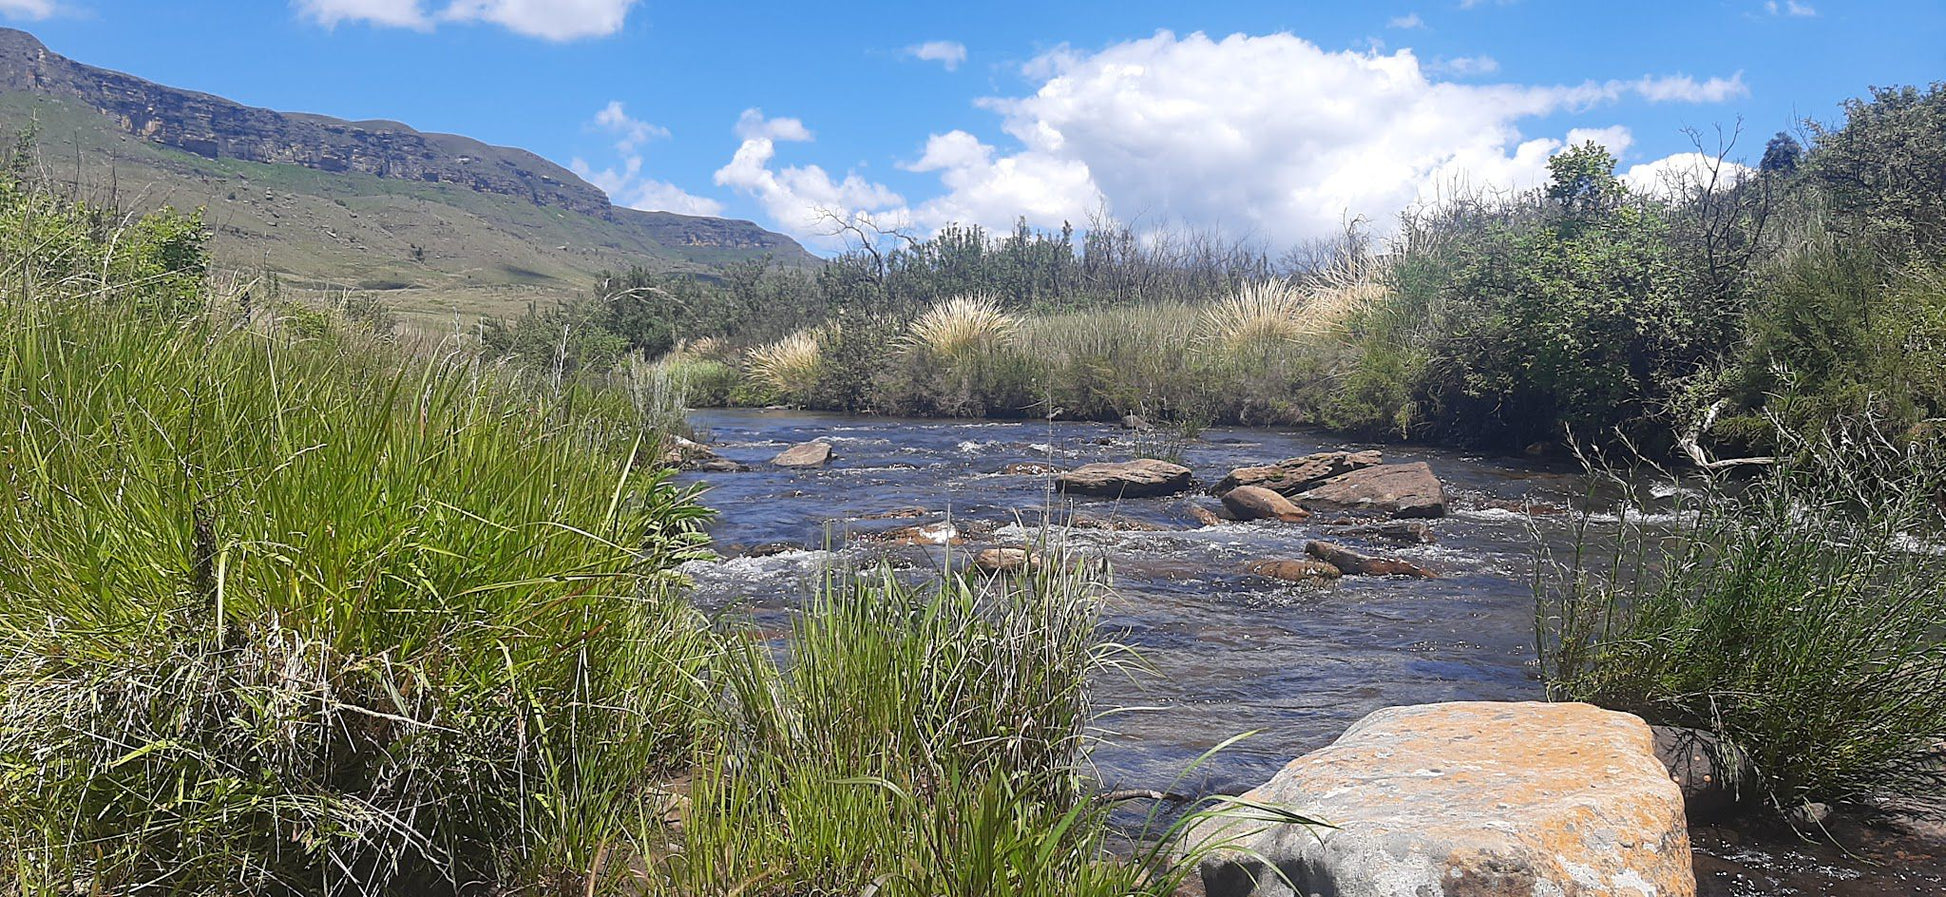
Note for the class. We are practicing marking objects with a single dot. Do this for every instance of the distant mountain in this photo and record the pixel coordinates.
(371, 205)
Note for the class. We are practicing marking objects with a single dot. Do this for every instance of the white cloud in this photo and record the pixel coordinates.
(1683, 173)
(35, 10)
(802, 199)
(627, 187)
(630, 133)
(949, 53)
(1465, 65)
(1790, 8)
(556, 20)
(1406, 22)
(1269, 136)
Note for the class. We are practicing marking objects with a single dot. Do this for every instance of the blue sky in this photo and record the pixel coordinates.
(1272, 120)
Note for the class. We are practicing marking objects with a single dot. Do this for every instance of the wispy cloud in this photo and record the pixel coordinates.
(1790, 8)
(1406, 22)
(1464, 65)
(630, 133)
(555, 20)
(949, 53)
(35, 10)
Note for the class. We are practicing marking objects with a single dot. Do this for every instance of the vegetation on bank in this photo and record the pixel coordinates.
(291, 605)
(1807, 288)
(1796, 615)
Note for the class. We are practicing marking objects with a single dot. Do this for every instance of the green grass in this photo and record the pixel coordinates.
(1796, 615)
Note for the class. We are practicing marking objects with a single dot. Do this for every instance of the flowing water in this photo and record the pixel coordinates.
(1235, 653)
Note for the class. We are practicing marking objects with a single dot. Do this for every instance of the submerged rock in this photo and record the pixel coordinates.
(1115, 524)
(1258, 503)
(1305, 570)
(1130, 479)
(1030, 469)
(808, 454)
(1353, 563)
(1006, 560)
(1397, 490)
(1293, 475)
(1473, 798)
(1201, 515)
(1408, 532)
(1716, 777)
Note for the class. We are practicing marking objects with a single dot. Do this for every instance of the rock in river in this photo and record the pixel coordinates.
(1131, 479)
(1303, 570)
(806, 454)
(1293, 475)
(1006, 560)
(1397, 490)
(1258, 503)
(1364, 565)
(1476, 798)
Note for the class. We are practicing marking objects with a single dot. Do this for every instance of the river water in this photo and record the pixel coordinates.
(1233, 652)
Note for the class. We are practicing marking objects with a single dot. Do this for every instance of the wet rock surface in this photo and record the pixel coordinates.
(1126, 479)
(1294, 475)
(1355, 564)
(802, 455)
(1259, 503)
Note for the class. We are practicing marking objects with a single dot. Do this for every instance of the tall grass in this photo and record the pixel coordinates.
(962, 325)
(790, 366)
(318, 615)
(1797, 616)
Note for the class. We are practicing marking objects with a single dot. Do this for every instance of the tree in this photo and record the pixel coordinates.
(1583, 179)
(1885, 170)
(1781, 155)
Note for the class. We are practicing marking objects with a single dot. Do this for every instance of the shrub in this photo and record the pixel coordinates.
(1795, 617)
(790, 366)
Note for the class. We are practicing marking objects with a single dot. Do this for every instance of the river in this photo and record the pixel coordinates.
(1235, 653)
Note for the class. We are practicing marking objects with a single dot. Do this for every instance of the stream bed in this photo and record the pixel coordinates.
(1235, 653)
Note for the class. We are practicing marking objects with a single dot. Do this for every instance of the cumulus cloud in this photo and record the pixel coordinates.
(556, 20)
(949, 53)
(805, 200)
(626, 185)
(630, 133)
(35, 10)
(1683, 173)
(1270, 136)
(1406, 22)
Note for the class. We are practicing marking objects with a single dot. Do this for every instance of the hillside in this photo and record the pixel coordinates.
(441, 223)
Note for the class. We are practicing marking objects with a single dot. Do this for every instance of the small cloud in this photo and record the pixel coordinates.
(1476, 4)
(1790, 8)
(1684, 89)
(1406, 22)
(1465, 65)
(555, 20)
(949, 53)
(752, 125)
(630, 133)
(33, 10)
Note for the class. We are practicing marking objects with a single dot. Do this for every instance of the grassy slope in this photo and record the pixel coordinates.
(484, 254)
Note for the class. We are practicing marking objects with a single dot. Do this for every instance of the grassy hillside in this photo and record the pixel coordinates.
(435, 250)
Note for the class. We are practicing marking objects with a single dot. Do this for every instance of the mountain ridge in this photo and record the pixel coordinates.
(401, 195)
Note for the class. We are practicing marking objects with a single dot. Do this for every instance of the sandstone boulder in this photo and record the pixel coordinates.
(1203, 516)
(1397, 490)
(1259, 503)
(1482, 799)
(1294, 475)
(1130, 479)
(802, 455)
(1305, 570)
(1353, 563)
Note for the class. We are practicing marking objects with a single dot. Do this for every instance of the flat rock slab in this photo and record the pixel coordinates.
(803, 455)
(1397, 490)
(1293, 475)
(1129, 479)
(1305, 570)
(1481, 799)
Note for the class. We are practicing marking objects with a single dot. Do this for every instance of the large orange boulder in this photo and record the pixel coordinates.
(1480, 799)
(1396, 490)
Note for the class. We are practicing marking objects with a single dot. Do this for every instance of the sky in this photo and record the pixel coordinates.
(1275, 122)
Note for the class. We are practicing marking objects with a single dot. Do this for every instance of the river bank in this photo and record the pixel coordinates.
(1232, 652)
